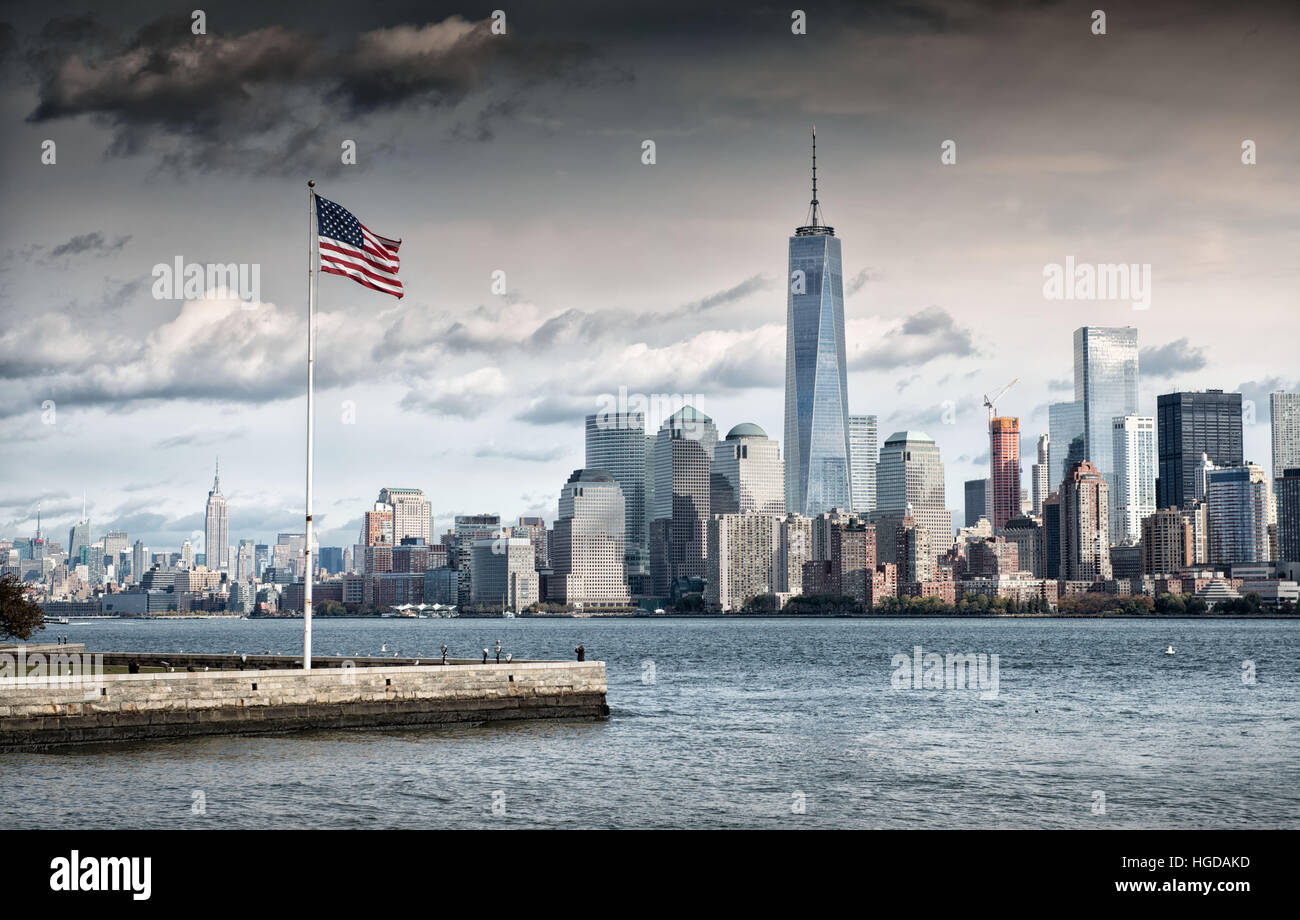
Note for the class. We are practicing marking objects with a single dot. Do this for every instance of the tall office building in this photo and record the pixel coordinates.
(683, 456)
(504, 573)
(216, 536)
(910, 479)
(115, 544)
(1188, 425)
(1284, 411)
(816, 380)
(1040, 474)
(616, 444)
(139, 561)
(1066, 441)
(746, 473)
(534, 528)
(469, 528)
(863, 456)
(1135, 475)
(587, 543)
(1237, 504)
(977, 492)
(244, 557)
(1004, 468)
(78, 535)
(1287, 489)
(1085, 525)
(1052, 536)
(412, 515)
(1106, 384)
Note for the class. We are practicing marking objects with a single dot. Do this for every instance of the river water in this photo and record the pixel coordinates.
(739, 723)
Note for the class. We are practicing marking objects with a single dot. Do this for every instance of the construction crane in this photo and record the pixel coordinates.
(997, 394)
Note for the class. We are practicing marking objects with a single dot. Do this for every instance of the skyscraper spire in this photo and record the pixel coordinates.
(814, 227)
(216, 479)
(814, 208)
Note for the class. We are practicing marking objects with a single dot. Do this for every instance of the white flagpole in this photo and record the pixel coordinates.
(311, 421)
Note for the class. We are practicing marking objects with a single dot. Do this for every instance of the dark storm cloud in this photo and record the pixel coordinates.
(1176, 357)
(88, 242)
(857, 283)
(575, 325)
(266, 94)
(923, 336)
(553, 410)
(523, 453)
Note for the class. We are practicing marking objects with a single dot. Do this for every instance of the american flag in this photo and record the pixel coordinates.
(348, 248)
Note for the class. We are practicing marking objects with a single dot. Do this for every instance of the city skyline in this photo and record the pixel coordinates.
(942, 288)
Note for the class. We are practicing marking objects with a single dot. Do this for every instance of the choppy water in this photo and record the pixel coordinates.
(739, 723)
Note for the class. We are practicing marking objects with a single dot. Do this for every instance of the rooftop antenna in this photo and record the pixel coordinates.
(814, 227)
(815, 208)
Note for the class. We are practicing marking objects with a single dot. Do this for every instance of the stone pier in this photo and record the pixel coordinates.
(260, 698)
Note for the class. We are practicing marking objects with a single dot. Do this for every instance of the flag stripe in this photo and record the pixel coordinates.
(332, 254)
(361, 280)
(349, 248)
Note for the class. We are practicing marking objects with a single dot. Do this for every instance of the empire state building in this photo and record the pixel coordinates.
(816, 380)
(216, 539)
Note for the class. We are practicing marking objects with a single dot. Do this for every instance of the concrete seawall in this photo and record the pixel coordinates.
(42, 713)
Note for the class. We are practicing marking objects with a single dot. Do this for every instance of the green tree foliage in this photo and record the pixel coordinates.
(20, 616)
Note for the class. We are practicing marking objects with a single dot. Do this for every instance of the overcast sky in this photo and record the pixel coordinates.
(522, 153)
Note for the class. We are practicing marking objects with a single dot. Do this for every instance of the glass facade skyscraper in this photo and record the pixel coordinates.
(1134, 439)
(816, 381)
(1106, 383)
(1188, 425)
(1065, 441)
(616, 443)
(863, 455)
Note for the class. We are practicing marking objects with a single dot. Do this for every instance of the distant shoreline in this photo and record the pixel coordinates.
(745, 616)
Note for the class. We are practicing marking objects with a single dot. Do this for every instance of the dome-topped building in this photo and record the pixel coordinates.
(746, 430)
(747, 473)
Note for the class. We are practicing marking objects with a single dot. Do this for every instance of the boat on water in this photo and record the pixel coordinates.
(1170, 651)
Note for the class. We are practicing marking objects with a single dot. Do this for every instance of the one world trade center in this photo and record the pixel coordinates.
(816, 381)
